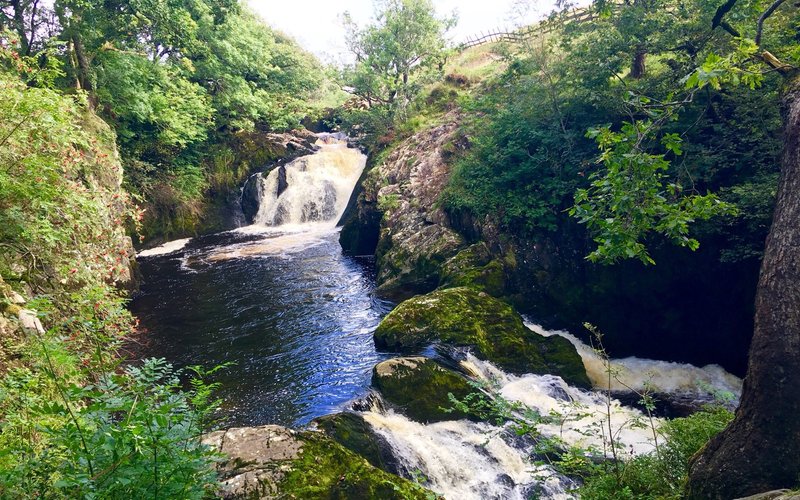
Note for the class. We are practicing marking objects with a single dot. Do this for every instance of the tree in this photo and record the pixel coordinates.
(31, 20)
(397, 54)
(759, 450)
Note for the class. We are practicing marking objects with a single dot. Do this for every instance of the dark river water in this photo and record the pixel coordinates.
(294, 315)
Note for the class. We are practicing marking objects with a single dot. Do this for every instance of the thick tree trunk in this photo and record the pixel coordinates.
(638, 66)
(760, 450)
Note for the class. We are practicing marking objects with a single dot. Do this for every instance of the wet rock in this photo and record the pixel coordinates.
(475, 266)
(400, 196)
(275, 462)
(371, 402)
(466, 317)
(251, 197)
(419, 387)
(282, 182)
(354, 433)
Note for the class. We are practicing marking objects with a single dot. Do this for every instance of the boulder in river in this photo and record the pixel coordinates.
(466, 317)
(351, 431)
(420, 388)
(275, 462)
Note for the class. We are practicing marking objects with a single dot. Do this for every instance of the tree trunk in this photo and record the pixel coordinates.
(83, 69)
(638, 67)
(19, 25)
(760, 450)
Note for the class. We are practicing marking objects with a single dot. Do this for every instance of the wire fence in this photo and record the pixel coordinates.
(579, 15)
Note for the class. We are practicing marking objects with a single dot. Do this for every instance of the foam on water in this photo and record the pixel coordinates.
(166, 248)
(464, 460)
(310, 189)
(661, 376)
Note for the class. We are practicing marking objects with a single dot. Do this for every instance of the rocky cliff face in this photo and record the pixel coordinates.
(414, 237)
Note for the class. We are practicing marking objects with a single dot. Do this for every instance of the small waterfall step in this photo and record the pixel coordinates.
(311, 189)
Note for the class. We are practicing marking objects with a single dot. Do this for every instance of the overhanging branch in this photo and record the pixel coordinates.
(772, 8)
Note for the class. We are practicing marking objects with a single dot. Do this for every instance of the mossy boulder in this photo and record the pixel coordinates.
(275, 462)
(419, 387)
(475, 266)
(466, 317)
(354, 433)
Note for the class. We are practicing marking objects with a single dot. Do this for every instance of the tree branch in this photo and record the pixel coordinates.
(720, 14)
(772, 8)
(776, 64)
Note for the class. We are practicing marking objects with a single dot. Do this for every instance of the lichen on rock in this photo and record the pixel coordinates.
(466, 317)
(275, 462)
(412, 238)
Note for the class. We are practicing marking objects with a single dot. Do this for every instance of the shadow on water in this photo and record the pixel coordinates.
(297, 321)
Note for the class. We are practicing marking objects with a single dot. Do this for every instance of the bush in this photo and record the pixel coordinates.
(134, 434)
(659, 475)
(72, 424)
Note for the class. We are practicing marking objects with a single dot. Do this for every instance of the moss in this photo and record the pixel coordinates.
(464, 316)
(327, 470)
(354, 433)
(474, 266)
(411, 264)
(420, 387)
(12, 309)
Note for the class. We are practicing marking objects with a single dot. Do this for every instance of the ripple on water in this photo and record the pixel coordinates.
(294, 315)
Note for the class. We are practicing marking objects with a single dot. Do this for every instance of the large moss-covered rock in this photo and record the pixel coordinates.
(419, 388)
(476, 267)
(275, 462)
(464, 316)
(354, 433)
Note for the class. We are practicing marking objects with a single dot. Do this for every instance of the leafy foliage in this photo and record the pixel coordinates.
(630, 197)
(398, 54)
(130, 434)
(59, 197)
(661, 152)
(176, 80)
(71, 424)
(658, 477)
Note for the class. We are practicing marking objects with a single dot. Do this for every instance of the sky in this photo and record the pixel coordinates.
(317, 25)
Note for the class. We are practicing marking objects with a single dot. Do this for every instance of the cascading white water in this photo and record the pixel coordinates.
(313, 188)
(660, 376)
(299, 203)
(463, 460)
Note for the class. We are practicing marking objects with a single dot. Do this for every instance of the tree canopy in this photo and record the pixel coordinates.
(400, 52)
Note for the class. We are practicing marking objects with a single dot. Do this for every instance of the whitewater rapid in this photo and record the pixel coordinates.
(300, 205)
(464, 460)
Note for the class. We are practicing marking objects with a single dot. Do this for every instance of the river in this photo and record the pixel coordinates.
(295, 316)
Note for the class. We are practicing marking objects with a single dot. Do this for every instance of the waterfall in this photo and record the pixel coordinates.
(313, 189)
(464, 460)
(665, 377)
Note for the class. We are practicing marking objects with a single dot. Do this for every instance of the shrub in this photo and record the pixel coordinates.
(133, 434)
